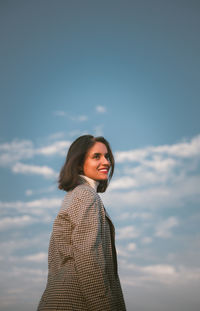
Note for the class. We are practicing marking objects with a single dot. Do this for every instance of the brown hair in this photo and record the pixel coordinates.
(69, 174)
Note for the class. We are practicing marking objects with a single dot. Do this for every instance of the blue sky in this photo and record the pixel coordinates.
(128, 70)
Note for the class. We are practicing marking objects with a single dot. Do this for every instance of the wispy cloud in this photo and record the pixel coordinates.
(17, 150)
(15, 222)
(123, 182)
(56, 136)
(31, 206)
(185, 149)
(173, 194)
(59, 147)
(77, 118)
(131, 247)
(162, 176)
(25, 242)
(45, 171)
(163, 229)
(80, 118)
(31, 192)
(100, 109)
(75, 133)
(127, 232)
(134, 215)
(98, 130)
(38, 257)
(146, 240)
(160, 274)
(158, 178)
(60, 113)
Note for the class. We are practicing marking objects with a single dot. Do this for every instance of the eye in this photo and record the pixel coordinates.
(96, 156)
(107, 157)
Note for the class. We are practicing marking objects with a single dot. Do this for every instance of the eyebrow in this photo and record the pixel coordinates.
(98, 153)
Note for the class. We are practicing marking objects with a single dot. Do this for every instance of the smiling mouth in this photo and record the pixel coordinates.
(104, 170)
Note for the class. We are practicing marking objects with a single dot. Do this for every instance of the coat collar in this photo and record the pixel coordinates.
(93, 183)
(83, 180)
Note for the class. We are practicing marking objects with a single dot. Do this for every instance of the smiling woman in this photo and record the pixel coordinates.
(82, 259)
(97, 162)
(87, 155)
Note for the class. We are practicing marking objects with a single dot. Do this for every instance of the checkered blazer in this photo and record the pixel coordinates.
(82, 261)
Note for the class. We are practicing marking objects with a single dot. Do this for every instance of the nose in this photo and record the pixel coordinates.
(105, 161)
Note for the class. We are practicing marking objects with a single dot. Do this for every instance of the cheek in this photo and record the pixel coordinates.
(90, 166)
(87, 166)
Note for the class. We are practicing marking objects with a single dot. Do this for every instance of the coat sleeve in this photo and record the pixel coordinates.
(89, 253)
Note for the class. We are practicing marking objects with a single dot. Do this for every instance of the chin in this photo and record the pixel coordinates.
(102, 178)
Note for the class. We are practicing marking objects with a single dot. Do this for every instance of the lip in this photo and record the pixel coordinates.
(104, 170)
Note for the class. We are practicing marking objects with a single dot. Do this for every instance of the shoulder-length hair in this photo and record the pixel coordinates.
(73, 167)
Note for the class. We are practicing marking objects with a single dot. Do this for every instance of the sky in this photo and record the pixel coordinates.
(127, 70)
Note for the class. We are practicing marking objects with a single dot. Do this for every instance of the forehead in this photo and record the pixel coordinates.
(98, 147)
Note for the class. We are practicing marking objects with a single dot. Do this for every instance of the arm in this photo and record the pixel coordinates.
(89, 253)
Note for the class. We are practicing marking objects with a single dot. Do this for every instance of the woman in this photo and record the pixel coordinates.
(82, 259)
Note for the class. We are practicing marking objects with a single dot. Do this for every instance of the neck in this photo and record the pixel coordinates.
(93, 183)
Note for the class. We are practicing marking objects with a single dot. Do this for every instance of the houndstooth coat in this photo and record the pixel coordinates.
(82, 260)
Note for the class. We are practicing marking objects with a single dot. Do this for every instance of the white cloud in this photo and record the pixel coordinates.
(123, 183)
(158, 179)
(158, 273)
(31, 206)
(181, 150)
(44, 202)
(38, 257)
(131, 247)
(15, 151)
(38, 211)
(80, 118)
(59, 147)
(60, 113)
(122, 252)
(45, 171)
(100, 109)
(160, 164)
(159, 270)
(25, 243)
(126, 250)
(20, 271)
(134, 215)
(74, 133)
(159, 167)
(127, 232)
(15, 222)
(98, 130)
(147, 198)
(173, 193)
(131, 156)
(147, 240)
(163, 228)
(56, 136)
(29, 192)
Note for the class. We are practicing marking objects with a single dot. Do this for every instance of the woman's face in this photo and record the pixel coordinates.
(97, 164)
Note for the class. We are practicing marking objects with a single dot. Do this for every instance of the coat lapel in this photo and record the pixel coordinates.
(112, 227)
(83, 181)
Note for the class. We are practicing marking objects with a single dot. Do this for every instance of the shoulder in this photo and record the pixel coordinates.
(84, 192)
(82, 195)
(84, 203)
